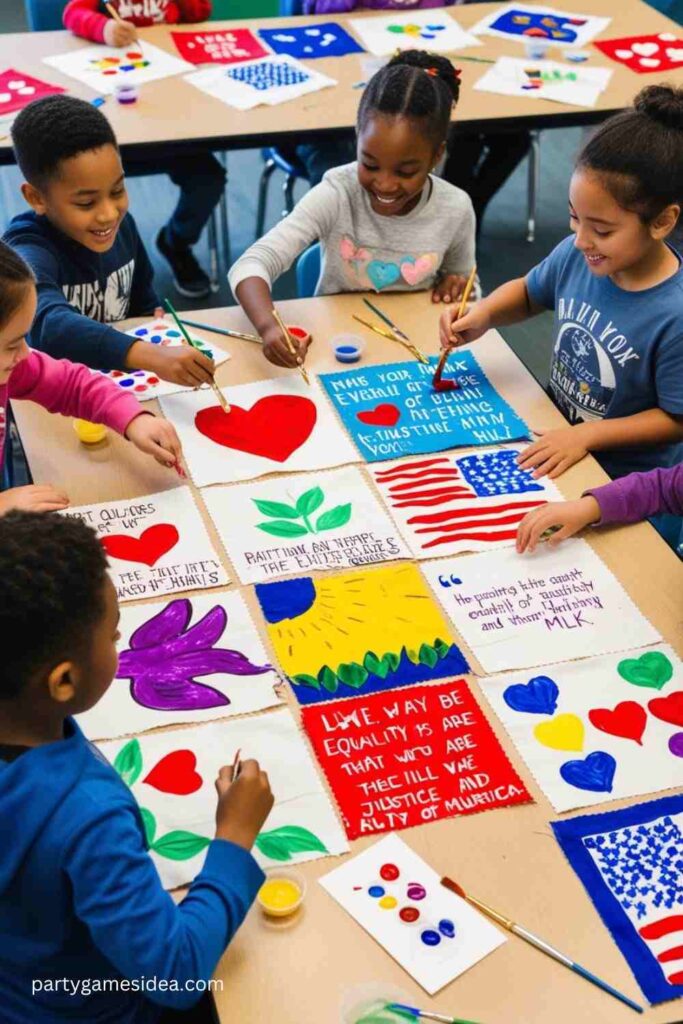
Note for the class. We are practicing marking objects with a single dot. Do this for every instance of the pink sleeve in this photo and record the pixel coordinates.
(73, 390)
(83, 19)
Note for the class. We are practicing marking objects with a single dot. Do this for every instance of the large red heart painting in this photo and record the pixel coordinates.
(176, 774)
(273, 428)
(148, 548)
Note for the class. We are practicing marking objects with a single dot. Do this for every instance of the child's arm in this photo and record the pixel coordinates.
(508, 304)
(329, 6)
(135, 924)
(83, 18)
(252, 276)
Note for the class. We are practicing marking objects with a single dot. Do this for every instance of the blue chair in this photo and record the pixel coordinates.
(308, 272)
(290, 8)
(44, 15)
(293, 169)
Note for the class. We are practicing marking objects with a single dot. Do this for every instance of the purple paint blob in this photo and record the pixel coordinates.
(430, 937)
(165, 656)
(676, 744)
(416, 891)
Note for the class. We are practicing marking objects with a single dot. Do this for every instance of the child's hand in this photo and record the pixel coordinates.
(119, 33)
(554, 452)
(180, 364)
(472, 325)
(34, 498)
(449, 289)
(155, 436)
(243, 805)
(570, 516)
(276, 350)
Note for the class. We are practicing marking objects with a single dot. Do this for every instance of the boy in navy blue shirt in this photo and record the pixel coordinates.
(80, 898)
(83, 246)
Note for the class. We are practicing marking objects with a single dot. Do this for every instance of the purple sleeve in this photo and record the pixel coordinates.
(639, 495)
(329, 6)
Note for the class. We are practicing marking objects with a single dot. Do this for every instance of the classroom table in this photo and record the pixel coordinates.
(301, 973)
(172, 115)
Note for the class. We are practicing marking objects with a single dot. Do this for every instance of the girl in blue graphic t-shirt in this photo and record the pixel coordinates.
(616, 288)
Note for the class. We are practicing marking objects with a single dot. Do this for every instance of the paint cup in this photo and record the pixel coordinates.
(369, 1001)
(282, 893)
(347, 348)
(536, 47)
(126, 93)
(576, 56)
(300, 333)
(90, 433)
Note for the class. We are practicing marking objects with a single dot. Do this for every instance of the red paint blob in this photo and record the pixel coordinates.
(110, 71)
(409, 914)
(152, 380)
(389, 872)
(298, 332)
(117, 373)
(133, 55)
(140, 387)
(445, 385)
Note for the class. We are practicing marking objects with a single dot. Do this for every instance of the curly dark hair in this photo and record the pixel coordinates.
(420, 86)
(53, 570)
(15, 276)
(54, 129)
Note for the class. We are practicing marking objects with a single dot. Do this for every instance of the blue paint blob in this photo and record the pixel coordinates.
(173, 334)
(447, 928)
(127, 383)
(141, 332)
(594, 773)
(430, 937)
(156, 339)
(126, 67)
(376, 891)
(286, 600)
(537, 697)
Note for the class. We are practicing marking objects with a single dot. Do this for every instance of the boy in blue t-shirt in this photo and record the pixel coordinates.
(85, 924)
(83, 246)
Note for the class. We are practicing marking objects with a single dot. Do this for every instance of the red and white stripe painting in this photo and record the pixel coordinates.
(440, 513)
(664, 936)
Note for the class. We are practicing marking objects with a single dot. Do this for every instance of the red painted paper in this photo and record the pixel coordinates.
(646, 53)
(225, 47)
(17, 90)
(403, 758)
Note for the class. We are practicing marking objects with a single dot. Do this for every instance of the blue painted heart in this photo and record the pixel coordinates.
(595, 772)
(382, 275)
(538, 696)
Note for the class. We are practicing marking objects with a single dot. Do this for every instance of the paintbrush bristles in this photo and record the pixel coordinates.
(448, 883)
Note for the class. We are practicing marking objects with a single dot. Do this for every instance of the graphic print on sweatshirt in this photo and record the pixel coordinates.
(382, 269)
(590, 359)
(151, 10)
(103, 304)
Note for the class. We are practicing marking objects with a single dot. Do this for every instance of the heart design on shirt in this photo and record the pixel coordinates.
(148, 548)
(273, 428)
(627, 720)
(349, 251)
(382, 275)
(414, 271)
(645, 49)
(176, 774)
(384, 415)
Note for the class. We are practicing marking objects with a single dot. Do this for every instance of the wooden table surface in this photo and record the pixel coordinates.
(173, 113)
(303, 974)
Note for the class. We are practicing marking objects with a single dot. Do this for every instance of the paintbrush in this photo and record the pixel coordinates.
(288, 339)
(386, 319)
(217, 391)
(427, 1014)
(539, 943)
(117, 17)
(436, 380)
(236, 765)
(392, 337)
(225, 331)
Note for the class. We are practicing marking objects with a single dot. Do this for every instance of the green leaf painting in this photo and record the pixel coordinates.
(306, 504)
(128, 762)
(352, 675)
(355, 676)
(180, 845)
(281, 843)
(150, 824)
(328, 679)
(305, 680)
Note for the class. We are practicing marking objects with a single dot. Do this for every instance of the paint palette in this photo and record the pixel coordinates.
(398, 899)
(104, 67)
(18, 90)
(545, 79)
(417, 30)
(132, 61)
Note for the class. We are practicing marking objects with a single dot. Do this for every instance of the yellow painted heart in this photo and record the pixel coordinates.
(564, 732)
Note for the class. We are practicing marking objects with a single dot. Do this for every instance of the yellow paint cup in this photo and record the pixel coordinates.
(282, 893)
(90, 433)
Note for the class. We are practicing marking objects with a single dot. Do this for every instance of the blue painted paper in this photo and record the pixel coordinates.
(495, 473)
(268, 75)
(631, 864)
(556, 27)
(391, 410)
(310, 41)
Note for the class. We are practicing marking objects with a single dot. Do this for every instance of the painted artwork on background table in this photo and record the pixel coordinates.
(227, 46)
(172, 773)
(17, 90)
(298, 523)
(324, 39)
(184, 660)
(645, 53)
(358, 632)
(431, 30)
(391, 410)
(399, 900)
(103, 67)
(146, 385)
(399, 759)
(453, 503)
(269, 80)
(274, 426)
(598, 729)
(545, 79)
(555, 605)
(156, 544)
(520, 20)
(630, 863)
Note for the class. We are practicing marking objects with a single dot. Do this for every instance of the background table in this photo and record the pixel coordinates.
(508, 857)
(173, 114)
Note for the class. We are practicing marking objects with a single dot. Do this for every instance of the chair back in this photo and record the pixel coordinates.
(44, 15)
(308, 272)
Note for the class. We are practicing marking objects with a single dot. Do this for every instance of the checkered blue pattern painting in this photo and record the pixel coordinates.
(272, 74)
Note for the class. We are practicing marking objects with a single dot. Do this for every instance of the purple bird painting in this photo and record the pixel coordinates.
(165, 656)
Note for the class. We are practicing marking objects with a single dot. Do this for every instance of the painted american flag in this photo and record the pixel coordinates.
(448, 504)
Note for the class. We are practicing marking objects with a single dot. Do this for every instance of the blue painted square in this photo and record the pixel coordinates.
(268, 75)
(311, 41)
(496, 473)
(560, 31)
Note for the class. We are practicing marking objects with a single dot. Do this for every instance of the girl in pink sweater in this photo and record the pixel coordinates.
(61, 386)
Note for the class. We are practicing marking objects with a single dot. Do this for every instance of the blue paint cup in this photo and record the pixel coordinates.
(347, 348)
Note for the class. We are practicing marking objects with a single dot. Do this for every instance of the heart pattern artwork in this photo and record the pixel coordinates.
(645, 54)
(274, 428)
(147, 549)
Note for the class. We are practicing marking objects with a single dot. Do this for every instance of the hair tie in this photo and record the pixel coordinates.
(457, 72)
(434, 72)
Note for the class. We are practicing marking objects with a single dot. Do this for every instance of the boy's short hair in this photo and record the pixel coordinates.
(54, 129)
(53, 570)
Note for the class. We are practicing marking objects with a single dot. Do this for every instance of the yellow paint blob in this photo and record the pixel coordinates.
(279, 896)
(388, 902)
(90, 433)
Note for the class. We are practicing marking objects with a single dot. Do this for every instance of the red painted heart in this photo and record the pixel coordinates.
(148, 548)
(176, 774)
(273, 428)
(627, 720)
(669, 709)
(385, 415)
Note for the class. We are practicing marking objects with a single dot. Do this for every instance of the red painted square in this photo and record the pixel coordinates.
(225, 47)
(17, 90)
